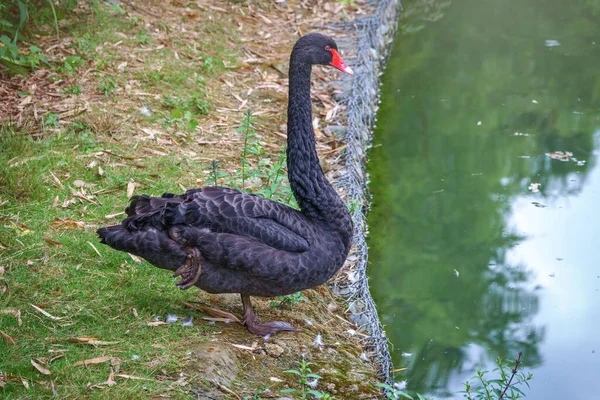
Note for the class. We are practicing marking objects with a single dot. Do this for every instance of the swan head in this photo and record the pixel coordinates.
(315, 48)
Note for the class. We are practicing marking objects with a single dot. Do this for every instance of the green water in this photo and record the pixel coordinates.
(467, 262)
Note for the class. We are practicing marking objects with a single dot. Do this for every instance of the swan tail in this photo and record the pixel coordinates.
(154, 245)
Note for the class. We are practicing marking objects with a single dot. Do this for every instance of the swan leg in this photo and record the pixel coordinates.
(191, 270)
(262, 329)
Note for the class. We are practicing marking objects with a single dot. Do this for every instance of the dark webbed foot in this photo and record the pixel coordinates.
(262, 329)
(191, 270)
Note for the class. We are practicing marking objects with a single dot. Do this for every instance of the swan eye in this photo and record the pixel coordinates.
(327, 48)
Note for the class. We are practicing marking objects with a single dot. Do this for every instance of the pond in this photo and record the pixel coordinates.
(485, 225)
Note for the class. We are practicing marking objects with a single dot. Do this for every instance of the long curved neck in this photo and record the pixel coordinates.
(315, 195)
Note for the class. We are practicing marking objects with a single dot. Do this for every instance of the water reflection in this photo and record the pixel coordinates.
(476, 93)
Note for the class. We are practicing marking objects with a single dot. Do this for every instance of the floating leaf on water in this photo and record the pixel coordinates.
(560, 155)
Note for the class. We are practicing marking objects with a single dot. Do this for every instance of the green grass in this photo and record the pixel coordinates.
(54, 267)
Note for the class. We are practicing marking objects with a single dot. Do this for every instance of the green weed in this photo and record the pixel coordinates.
(306, 379)
(506, 387)
(107, 85)
(287, 300)
(72, 89)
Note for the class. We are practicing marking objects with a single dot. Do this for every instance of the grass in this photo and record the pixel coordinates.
(50, 261)
(59, 179)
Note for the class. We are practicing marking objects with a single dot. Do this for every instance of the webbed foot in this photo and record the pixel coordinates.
(190, 271)
(264, 328)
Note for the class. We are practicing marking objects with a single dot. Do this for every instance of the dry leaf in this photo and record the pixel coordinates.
(213, 311)
(54, 390)
(7, 337)
(156, 323)
(79, 183)
(111, 379)
(56, 202)
(110, 216)
(53, 242)
(46, 313)
(67, 203)
(41, 369)
(241, 346)
(274, 379)
(133, 377)
(135, 258)
(95, 249)
(97, 360)
(130, 188)
(90, 340)
(25, 383)
(67, 223)
(2, 271)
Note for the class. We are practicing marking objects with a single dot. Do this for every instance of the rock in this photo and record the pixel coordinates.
(331, 388)
(274, 350)
(216, 361)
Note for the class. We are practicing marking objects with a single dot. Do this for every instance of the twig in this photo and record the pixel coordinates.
(514, 372)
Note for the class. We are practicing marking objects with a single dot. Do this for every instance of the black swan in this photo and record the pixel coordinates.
(227, 241)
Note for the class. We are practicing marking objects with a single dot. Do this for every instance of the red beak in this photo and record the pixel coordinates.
(338, 63)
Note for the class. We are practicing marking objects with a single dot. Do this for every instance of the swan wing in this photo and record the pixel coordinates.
(224, 210)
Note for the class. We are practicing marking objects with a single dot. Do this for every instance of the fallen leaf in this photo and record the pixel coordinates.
(54, 390)
(133, 377)
(2, 271)
(67, 223)
(79, 183)
(90, 340)
(53, 242)
(25, 383)
(110, 216)
(213, 311)
(43, 370)
(156, 323)
(97, 360)
(7, 337)
(46, 313)
(130, 188)
(241, 346)
(111, 379)
(135, 258)
(274, 379)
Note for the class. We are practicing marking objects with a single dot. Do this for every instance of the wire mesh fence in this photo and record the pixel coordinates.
(370, 36)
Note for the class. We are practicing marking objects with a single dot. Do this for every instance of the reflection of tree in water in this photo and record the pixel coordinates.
(443, 185)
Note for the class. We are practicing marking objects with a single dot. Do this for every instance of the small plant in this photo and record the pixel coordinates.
(393, 393)
(14, 16)
(50, 120)
(268, 176)
(307, 379)
(184, 120)
(215, 174)
(70, 64)
(107, 86)
(287, 300)
(73, 89)
(496, 389)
